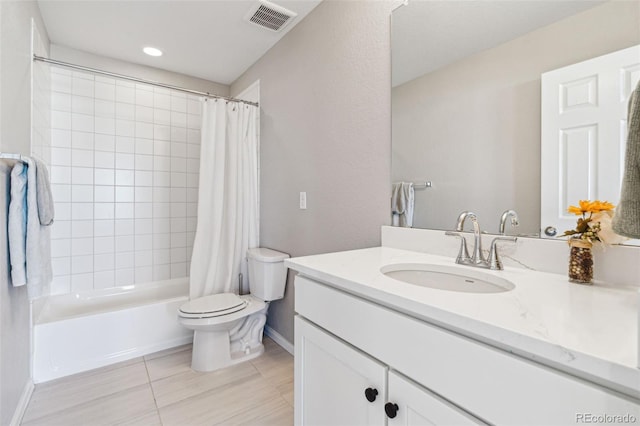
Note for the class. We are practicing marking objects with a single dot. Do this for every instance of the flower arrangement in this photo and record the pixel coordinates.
(594, 223)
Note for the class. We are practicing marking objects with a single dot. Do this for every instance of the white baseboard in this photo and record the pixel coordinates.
(23, 402)
(277, 337)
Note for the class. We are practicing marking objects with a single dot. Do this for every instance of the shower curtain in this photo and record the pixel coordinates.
(227, 198)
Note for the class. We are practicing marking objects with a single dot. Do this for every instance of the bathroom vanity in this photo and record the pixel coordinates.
(371, 349)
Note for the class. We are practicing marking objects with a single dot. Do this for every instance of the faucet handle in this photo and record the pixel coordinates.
(494, 260)
(463, 253)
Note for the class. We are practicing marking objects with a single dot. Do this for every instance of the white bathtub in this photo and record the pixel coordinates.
(82, 331)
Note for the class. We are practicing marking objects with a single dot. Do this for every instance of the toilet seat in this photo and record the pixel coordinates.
(215, 305)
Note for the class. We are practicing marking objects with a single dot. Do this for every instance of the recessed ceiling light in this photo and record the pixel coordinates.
(152, 51)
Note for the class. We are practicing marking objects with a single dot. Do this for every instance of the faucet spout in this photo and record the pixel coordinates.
(515, 221)
(477, 256)
(462, 217)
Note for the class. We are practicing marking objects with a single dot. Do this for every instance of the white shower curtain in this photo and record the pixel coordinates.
(227, 198)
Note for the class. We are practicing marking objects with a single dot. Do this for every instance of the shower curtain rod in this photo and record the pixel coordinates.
(139, 80)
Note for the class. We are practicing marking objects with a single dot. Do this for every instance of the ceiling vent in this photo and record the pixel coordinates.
(270, 16)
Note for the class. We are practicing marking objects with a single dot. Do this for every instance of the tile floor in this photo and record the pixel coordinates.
(161, 389)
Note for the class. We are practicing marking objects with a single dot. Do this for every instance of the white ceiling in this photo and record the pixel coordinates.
(206, 38)
(427, 35)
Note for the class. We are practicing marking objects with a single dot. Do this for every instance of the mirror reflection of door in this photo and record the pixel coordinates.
(584, 132)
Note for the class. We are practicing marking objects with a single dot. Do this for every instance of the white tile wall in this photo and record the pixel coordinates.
(41, 134)
(124, 169)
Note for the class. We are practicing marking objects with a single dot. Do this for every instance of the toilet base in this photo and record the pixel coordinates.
(211, 351)
(217, 347)
(219, 342)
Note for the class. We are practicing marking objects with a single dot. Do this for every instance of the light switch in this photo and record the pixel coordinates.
(303, 200)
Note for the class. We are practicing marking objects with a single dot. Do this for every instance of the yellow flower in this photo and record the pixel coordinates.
(587, 206)
(575, 210)
(600, 206)
(595, 223)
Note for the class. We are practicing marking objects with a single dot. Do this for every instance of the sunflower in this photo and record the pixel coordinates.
(587, 229)
(587, 206)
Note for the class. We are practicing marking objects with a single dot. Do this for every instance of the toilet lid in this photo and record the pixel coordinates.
(213, 306)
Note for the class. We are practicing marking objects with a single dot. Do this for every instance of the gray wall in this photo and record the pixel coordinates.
(325, 113)
(78, 57)
(15, 131)
(473, 127)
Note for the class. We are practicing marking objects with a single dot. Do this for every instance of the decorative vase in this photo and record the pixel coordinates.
(580, 261)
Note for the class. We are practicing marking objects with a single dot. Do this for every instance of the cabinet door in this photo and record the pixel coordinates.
(415, 405)
(331, 379)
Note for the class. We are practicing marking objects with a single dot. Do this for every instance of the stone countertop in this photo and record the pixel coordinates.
(588, 331)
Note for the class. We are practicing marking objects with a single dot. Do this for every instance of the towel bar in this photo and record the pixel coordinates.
(421, 185)
(10, 156)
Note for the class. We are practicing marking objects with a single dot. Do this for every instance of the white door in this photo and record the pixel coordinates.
(411, 404)
(584, 111)
(335, 384)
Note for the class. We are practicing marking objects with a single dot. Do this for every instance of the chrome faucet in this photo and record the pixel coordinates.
(477, 259)
(477, 256)
(494, 261)
(463, 255)
(503, 220)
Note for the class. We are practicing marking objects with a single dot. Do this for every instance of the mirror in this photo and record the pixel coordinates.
(466, 102)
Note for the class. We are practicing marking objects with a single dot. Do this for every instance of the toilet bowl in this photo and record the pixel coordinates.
(227, 327)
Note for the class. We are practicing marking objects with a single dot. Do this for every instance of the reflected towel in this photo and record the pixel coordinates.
(402, 201)
(29, 241)
(626, 221)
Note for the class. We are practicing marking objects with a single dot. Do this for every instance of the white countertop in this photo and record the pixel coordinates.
(588, 331)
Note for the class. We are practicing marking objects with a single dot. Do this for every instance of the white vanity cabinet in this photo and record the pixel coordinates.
(346, 344)
(337, 384)
(414, 405)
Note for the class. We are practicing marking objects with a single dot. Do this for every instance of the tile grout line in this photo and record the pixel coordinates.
(76, 405)
(254, 367)
(275, 388)
(155, 402)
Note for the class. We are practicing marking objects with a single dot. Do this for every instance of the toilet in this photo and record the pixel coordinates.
(228, 327)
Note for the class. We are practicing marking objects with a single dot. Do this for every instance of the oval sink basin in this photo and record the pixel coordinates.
(448, 278)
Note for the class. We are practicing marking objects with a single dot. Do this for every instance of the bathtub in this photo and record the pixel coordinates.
(78, 332)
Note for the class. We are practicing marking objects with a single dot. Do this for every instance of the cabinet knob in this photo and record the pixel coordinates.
(391, 409)
(370, 394)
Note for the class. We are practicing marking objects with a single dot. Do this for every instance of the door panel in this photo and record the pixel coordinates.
(584, 110)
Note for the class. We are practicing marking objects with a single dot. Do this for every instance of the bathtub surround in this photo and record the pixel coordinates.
(325, 107)
(41, 102)
(124, 172)
(155, 170)
(228, 198)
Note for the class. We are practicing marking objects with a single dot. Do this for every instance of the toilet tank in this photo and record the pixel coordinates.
(267, 273)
